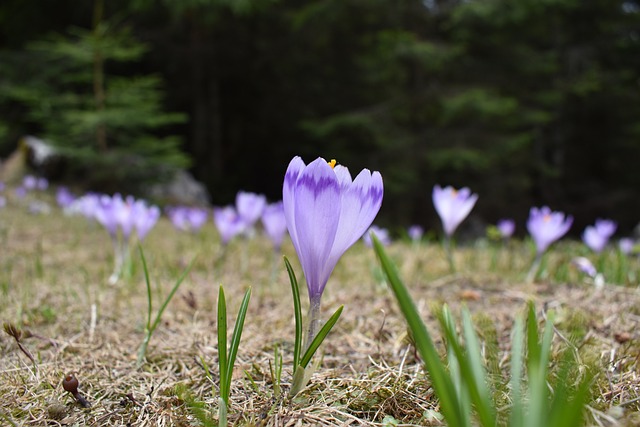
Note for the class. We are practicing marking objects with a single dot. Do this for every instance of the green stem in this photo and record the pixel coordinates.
(446, 244)
(534, 268)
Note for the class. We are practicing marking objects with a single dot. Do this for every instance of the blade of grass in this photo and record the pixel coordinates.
(171, 294)
(297, 310)
(148, 283)
(222, 343)
(442, 383)
(237, 335)
(477, 376)
(517, 353)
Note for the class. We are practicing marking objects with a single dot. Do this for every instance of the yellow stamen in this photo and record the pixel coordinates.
(546, 218)
(332, 163)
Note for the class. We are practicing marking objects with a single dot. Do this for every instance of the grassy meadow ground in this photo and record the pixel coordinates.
(54, 274)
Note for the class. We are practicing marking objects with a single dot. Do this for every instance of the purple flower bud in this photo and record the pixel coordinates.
(415, 232)
(585, 266)
(626, 245)
(506, 227)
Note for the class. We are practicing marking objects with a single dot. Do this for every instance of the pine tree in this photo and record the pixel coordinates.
(107, 121)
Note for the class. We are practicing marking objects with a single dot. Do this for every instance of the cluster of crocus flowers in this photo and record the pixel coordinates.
(545, 227)
(122, 218)
(187, 218)
(326, 213)
(597, 236)
(453, 206)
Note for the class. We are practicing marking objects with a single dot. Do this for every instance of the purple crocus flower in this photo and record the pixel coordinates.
(187, 218)
(506, 227)
(29, 182)
(228, 223)
(102, 209)
(453, 206)
(546, 227)
(597, 236)
(20, 192)
(626, 245)
(275, 224)
(64, 197)
(197, 217)
(42, 184)
(250, 206)
(415, 232)
(3, 201)
(381, 234)
(178, 217)
(144, 218)
(585, 266)
(327, 212)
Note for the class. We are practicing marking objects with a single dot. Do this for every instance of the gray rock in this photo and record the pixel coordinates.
(183, 189)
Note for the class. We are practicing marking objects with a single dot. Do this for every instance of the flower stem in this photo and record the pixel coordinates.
(446, 244)
(534, 268)
(314, 320)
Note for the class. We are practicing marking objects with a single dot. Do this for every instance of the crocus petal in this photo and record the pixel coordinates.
(361, 202)
(295, 168)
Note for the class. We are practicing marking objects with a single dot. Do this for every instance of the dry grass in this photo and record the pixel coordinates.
(53, 286)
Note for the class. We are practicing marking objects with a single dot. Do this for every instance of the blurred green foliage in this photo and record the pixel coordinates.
(525, 101)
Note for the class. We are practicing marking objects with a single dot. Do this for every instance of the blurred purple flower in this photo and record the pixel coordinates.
(101, 207)
(585, 266)
(506, 227)
(86, 205)
(3, 201)
(42, 184)
(20, 192)
(250, 206)
(546, 227)
(626, 245)
(64, 197)
(144, 218)
(29, 182)
(597, 236)
(2, 186)
(228, 223)
(453, 206)
(187, 218)
(326, 213)
(415, 232)
(381, 233)
(275, 224)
